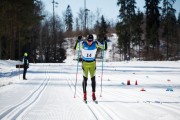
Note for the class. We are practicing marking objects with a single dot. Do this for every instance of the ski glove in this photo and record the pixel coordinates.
(79, 38)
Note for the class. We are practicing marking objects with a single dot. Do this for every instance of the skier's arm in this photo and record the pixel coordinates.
(77, 42)
(101, 46)
(78, 45)
(28, 63)
(23, 60)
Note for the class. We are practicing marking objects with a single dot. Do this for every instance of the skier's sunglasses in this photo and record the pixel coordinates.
(90, 40)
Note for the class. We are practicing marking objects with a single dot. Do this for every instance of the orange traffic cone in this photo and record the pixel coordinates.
(136, 83)
(128, 82)
(142, 89)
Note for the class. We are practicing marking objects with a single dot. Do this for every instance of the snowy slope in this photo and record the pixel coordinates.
(48, 94)
(7, 71)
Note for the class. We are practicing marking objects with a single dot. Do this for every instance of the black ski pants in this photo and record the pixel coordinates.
(24, 72)
(93, 84)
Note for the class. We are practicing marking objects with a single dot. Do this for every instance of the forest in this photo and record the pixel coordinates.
(26, 27)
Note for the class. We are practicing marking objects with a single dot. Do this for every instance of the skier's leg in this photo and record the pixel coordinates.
(85, 78)
(84, 84)
(24, 73)
(92, 71)
(93, 84)
(93, 79)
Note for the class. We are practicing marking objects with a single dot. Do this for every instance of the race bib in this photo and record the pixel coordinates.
(89, 54)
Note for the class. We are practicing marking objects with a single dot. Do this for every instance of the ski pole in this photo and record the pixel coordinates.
(102, 68)
(77, 69)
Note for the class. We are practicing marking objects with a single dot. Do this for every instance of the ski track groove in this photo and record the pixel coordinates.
(168, 108)
(113, 113)
(92, 112)
(14, 114)
(36, 98)
(165, 108)
(71, 85)
(95, 108)
(42, 86)
(122, 95)
(102, 109)
(173, 106)
(101, 114)
(89, 104)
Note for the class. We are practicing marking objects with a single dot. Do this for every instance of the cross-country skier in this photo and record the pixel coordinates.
(25, 65)
(88, 49)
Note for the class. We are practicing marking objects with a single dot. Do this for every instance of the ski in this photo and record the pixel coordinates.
(85, 101)
(95, 101)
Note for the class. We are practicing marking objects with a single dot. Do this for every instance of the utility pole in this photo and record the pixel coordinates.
(85, 15)
(54, 35)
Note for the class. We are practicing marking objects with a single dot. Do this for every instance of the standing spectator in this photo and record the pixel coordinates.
(26, 65)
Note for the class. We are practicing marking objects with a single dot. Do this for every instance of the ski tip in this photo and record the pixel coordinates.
(85, 101)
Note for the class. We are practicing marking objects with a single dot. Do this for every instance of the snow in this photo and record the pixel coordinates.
(48, 94)
(8, 71)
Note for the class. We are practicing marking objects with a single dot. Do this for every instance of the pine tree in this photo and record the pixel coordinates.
(178, 28)
(169, 25)
(102, 31)
(152, 27)
(69, 19)
(137, 32)
(125, 26)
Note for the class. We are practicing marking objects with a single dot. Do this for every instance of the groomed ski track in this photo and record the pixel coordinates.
(48, 94)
